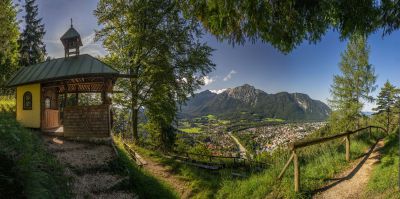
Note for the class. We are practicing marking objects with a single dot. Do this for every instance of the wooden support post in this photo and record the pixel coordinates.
(296, 172)
(348, 148)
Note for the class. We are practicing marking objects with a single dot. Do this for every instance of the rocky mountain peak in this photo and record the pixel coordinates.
(245, 93)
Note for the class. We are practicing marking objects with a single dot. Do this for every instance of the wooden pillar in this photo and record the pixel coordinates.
(347, 147)
(296, 172)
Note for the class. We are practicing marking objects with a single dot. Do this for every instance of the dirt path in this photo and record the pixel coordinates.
(162, 172)
(87, 164)
(351, 183)
(242, 150)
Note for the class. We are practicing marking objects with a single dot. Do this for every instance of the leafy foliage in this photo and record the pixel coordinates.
(286, 23)
(152, 43)
(9, 34)
(26, 169)
(32, 48)
(354, 84)
(386, 101)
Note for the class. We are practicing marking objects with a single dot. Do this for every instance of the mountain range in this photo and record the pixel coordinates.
(246, 102)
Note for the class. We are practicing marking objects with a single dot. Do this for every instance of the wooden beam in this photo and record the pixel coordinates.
(286, 166)
(301, 144)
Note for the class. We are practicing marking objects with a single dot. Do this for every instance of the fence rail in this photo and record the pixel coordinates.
(293, 147)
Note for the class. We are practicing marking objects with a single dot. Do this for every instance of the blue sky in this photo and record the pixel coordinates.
(307, 69)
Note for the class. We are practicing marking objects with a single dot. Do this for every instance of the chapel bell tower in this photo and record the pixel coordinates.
(71, 41)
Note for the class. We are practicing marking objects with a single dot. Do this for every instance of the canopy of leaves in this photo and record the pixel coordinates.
(159, 49)
(286, 23)
(9, 34)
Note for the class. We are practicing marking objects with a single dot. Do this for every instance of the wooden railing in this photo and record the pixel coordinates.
(301, 144)
(220, 161)
(135, 156)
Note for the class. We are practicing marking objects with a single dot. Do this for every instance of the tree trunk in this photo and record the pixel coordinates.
(134, 119)
(135, 110)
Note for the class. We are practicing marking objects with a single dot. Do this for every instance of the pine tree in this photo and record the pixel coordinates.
(9, 34)
(159, 50)
(32, 48)
(356, 83)
(386, 101)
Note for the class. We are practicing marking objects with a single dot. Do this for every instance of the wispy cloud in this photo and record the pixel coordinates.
(229, 76)
(208, 80)
(218, 91)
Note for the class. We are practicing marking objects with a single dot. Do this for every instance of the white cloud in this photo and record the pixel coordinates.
(218, 91)
(229, 76)
(208, 80)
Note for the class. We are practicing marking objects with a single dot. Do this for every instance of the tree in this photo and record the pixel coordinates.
(9, 34)
(354, 84)
(386, 101)
(159, 52)
(32, 48)
(285, 23)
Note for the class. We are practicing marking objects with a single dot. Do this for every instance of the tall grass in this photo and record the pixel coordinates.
(140, 181)
(384, 179)
(317, 164)
(26, 169)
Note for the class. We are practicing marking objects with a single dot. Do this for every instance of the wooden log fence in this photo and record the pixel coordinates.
(135, 156)
(293, 147)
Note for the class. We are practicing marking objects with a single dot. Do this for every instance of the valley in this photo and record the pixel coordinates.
(218, 135)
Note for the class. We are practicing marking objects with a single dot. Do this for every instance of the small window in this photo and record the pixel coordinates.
(47, 103)
(27, 101)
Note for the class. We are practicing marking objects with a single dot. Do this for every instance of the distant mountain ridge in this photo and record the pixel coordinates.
(251, 102)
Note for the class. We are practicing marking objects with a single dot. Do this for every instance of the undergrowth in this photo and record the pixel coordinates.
(27, 170)
(140, 181)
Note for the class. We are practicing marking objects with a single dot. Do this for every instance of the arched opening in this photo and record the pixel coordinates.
(27, 101)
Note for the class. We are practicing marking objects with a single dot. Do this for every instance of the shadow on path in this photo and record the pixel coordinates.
(351, 174)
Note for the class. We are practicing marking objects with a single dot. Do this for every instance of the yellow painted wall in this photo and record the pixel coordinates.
(29, 118)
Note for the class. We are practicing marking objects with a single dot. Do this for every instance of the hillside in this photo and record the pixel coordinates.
(247, 101)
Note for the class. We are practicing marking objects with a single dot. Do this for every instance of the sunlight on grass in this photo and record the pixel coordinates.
(191, 130)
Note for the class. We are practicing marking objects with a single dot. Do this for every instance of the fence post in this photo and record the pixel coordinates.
(296, 172)
(347, 147)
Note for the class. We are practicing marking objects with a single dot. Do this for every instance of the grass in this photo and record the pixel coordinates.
(27, 170)
(191, 130)
(140, 181)
(384, 178)
(204, 183)
(273, 120)
(317, 164)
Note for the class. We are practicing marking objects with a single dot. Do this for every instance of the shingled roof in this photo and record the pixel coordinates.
(62, 68)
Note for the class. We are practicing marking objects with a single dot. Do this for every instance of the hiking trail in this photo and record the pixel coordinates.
(352, 182)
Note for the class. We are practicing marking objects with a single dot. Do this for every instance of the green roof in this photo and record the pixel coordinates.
(61, 68)
(71, 33)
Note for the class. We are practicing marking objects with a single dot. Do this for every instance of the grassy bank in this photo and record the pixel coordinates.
(317, 164)
(27, 170)
(140, 181)
(384, 179)
(204, 183)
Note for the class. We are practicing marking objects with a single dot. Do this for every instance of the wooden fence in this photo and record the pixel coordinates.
(218, 162)
(301, 144)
